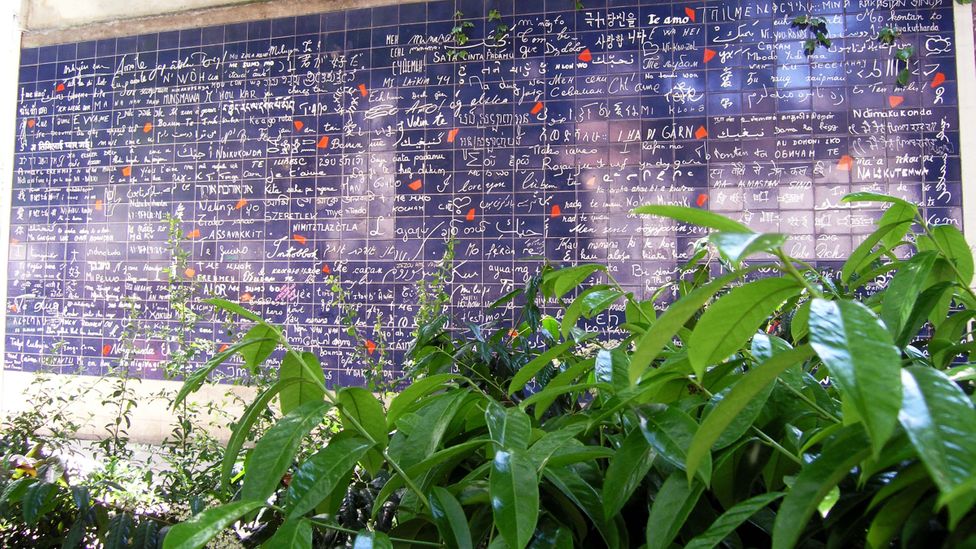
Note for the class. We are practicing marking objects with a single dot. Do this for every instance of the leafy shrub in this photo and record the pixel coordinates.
(768, 405)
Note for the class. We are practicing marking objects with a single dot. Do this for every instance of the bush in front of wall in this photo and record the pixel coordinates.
(792, 409)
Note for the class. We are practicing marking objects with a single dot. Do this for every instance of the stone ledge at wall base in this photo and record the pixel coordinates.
(152, 419)
(118, 18)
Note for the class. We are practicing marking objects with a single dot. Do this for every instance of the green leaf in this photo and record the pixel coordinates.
(590, 302)
(413, 393)
(514, 489)
(672, 505)
(146, 535)
(903, 77)
(320, 474)
(951, 243)
(861, 256)
(266, 339)
(671, 321)
(273, 453)
(899, 296)
(729, 322)
(242, 429)
(309, 388)
(890, 519)
(626, 471)
(450, 519)
(196, 380)
(755, 382)
(612, 367)
(234, 308)
(731, 519)
(36, 498)
(510, 428)
(527, 372)
(372, 540)
(694, 216)
(862, 360)
(814, 482)
(559, 282)
(941, 423)
(571, 483)
(197, 531)
(877, 197)
(556, 386)
(360, 405)
(429, 431)
(117, 536)
(293, 534)
(738, 246)
(670, 432)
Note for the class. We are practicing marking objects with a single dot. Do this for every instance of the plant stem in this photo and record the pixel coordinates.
(344, 530)
(769, 440)
(816, 407)
(787, 262)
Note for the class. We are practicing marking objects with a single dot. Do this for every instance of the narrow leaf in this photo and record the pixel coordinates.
(197, 531)
(730, 520)
(670, 432)
(293, 534)
(694, 216)
(514, 489)
(738, 246)
(307, 389)
(626, 471)
(862, 360)
(321, 473)
(672, 505)
(450, 519)
(510, 428)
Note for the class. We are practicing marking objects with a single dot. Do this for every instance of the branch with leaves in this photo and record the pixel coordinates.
(902, 54)
(460, 37)
(815, 26)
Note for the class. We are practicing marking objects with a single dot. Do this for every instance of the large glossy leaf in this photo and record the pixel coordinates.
(322, 472)
(890, 519)
(672, 505)
(414, 392)
(941, 423)
(146, 535)
(663, 330)
(356, 403)
(242, 428)
(309, 388)
(627, 469)
(293, 534)
(510, 428)
(527, 372)
(590, 302)
(544, 398)
(901, 293)
(273, 453)
(729, 322)
(196, 380)
(372, 540)
(429, 431)
(37, 497)
(611, 367)
(703, 218)
(738, 246)
(266, 341)
(862, 360)
(560, 282)
(570, 481)
(739, 398)
(197, 531)
(950, 242)
(514, 489)
(863, 254)
(670, 432)
(234, 308)
(119, 529)
(730, 520)
(866, 196)
(450, 519)
(815, 481)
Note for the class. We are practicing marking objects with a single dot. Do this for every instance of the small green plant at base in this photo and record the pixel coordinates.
(459, 37)
(815, 25)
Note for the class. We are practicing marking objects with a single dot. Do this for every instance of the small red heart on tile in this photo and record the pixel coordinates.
(106, 349)
(586, 56)
(326, 269)
(147, 128)
(195, 233)
(937, 80)
(845, 163)
(223, 348)
(127, 171)
(190, 272)
(709, 54)
(370, 346)
(362, 90)
(30, 122)
(324, 142)
(702, 199)
(299, 125)
(98, 205)
(451, 135)
(537, 108)
(470, 216)
(416, 185)
(240, 204)
(300, 239)
(895, 100)
(556, 211)
(701, 133)
(690, 13)
(59, 88)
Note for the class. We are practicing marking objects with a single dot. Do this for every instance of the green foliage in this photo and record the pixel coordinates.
(816, 27)
(792, 409)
